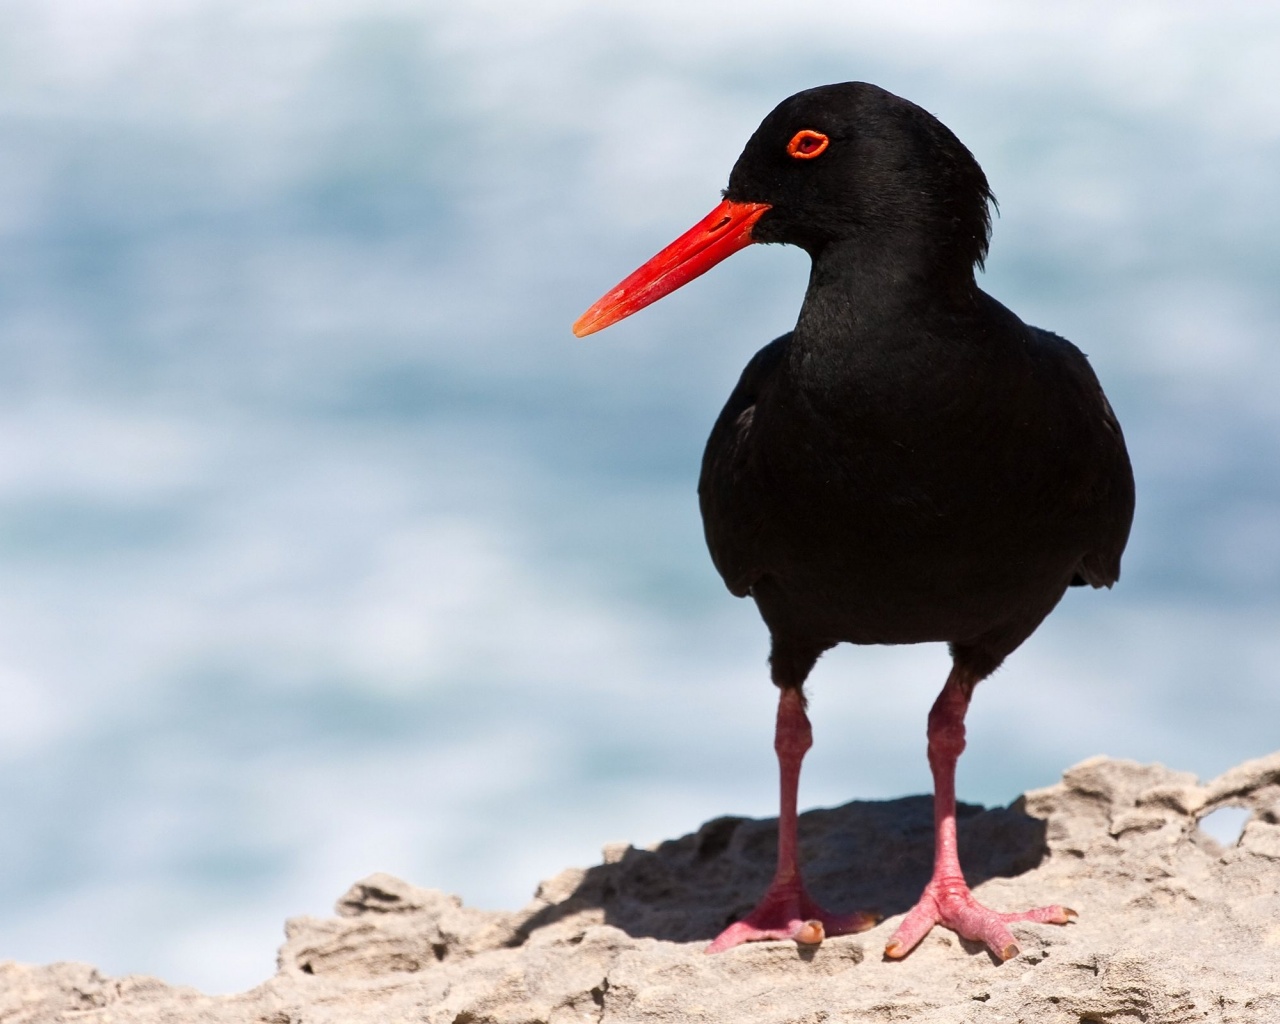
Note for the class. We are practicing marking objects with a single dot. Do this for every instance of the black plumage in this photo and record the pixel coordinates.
(912, 462)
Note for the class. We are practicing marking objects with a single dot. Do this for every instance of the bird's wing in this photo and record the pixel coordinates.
(729, 489)
(1105, 498)
(1100, 566)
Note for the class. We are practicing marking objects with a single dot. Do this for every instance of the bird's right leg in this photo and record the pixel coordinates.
(786, 910)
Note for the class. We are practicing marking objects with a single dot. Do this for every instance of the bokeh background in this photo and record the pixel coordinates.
(325, 548)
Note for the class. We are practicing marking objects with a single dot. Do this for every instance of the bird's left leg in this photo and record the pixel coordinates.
(786, 911)
(946, 899)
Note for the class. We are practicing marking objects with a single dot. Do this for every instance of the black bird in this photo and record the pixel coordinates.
(911, 463)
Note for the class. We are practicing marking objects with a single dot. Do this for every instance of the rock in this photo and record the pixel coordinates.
(1173, 927)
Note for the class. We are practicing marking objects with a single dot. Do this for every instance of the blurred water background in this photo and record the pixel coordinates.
(325, 548)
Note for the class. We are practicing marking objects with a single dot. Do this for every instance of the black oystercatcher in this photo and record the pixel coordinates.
(911, 463)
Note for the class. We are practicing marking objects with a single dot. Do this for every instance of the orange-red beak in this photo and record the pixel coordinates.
(719, 234)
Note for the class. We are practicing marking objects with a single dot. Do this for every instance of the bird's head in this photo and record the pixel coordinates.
(839, 163)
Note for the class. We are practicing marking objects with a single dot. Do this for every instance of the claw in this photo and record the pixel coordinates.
(787, 912)
(952, 905)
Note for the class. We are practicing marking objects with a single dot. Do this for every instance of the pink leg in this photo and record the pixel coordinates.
(786, 911)
(947, 899)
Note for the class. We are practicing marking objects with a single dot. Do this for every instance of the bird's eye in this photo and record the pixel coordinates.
(807, 144)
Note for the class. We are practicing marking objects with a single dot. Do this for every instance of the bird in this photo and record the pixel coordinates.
(911, 463)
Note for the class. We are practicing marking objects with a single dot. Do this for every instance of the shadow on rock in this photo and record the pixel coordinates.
(865, 855)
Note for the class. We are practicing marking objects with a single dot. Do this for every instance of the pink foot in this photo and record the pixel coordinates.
(947, 901)
(787, 912)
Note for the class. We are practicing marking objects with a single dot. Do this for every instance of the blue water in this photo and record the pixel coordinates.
(326, 549)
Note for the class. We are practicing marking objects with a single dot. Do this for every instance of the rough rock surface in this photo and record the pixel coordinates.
(1173, 927)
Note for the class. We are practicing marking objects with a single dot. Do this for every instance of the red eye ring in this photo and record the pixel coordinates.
(806, 144)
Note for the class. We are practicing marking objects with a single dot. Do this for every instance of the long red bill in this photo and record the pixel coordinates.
(719, 234)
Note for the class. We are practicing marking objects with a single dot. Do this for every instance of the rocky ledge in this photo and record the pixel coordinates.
(1173, 927)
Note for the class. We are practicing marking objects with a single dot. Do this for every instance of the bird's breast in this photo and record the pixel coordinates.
(888, 515)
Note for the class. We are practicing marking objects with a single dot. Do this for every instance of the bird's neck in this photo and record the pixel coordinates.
(860, 293)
